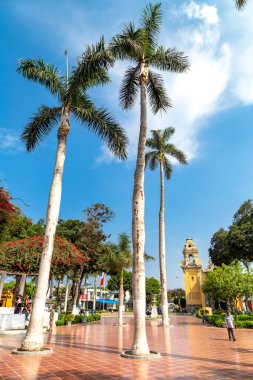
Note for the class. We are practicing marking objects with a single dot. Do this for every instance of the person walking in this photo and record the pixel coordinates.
(229, 320)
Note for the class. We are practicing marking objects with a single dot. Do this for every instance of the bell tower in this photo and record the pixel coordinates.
(192, 268)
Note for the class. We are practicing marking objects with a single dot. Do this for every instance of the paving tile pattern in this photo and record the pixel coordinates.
(188, 350)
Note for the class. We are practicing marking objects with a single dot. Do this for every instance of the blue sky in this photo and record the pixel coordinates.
(212, 113)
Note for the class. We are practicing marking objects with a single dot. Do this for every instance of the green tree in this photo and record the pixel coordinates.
(90, 239)
(176, 293)
(120, 257)
(140, 47)
(237, 242)
(9, 285)
(113, 282)
(30, 288)
(218, 251)
(226, 283)
(240, 234)
(21, 227)
(153, 288)
(72, 94)
(160, 148)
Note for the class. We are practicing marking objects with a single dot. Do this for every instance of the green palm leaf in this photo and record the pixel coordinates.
(151, 21)
(129, 87)
(169, 60)
(176, 153)
(92, 67)
(45, 74)
(130, 44)
(101, 122)
(157, 94)
(167, 168)
(40, 126)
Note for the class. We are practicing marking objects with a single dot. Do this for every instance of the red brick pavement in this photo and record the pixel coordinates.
(189, 351)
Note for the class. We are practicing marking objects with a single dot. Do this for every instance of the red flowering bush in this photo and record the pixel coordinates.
(23, 256)
(7, 209)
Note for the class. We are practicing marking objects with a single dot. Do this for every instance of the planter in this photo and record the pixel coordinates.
(84, 320)
(68, 323)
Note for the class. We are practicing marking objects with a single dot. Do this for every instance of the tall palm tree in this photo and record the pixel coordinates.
(120, 258)
(159, 143)
(240, 3)
(140, 46)
(73, 99)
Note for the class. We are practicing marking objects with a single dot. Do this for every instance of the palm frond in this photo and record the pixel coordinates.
(129, 44)
(167, 168)
(40, 126)
(167, 133)
(157, 93)
(38, 71)
(176, 153)
(148, 257)
(151, 21)
(101, 122)
(155, 141)
(169, 60)
(240, 4)
(129, 87)
(92, 67)
(151, 160)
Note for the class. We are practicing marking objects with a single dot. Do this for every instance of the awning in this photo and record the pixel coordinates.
(101, 300)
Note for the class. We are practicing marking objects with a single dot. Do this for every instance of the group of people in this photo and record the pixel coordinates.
(23, 306)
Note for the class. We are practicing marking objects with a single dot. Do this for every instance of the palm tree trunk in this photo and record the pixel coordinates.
(51, 286)
(66, 296)
(34, 337)
(22, 284)
(121, 296)
(3, 278)
(76, 296)
(165, 316)
(140, 344)
(95, 293)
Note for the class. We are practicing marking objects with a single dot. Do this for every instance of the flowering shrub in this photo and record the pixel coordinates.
(7, 209)
(23, 256)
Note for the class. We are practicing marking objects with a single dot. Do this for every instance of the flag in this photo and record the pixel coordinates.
(102, 281)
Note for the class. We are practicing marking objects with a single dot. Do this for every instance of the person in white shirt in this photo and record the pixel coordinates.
(229, 320)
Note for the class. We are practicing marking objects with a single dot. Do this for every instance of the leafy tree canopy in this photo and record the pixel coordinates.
(113, 282)
(176, 293)
(237, 242)
(229, 282)
(153, 288)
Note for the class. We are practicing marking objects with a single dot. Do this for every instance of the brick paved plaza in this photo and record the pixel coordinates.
(189, 351)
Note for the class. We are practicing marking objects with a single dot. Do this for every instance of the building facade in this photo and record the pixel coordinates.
(194, 275)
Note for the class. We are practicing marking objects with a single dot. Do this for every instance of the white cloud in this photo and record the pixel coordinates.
(9, 141)
(205, 12)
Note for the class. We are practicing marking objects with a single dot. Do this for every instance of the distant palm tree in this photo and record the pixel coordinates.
(140, 46)
(161, 148)
(240, 3)
(71, 93)
(120, 258)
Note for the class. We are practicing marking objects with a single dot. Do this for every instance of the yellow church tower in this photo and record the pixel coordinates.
(193, 275)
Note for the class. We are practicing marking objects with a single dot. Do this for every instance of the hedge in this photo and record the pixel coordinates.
(63, 318)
